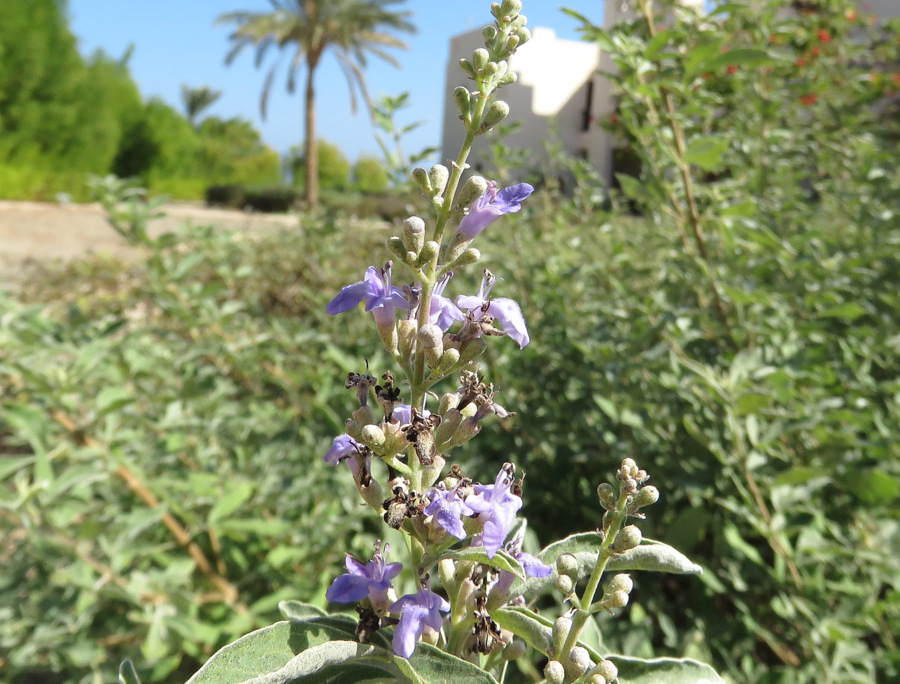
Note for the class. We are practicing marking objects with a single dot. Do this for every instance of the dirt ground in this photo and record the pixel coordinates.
(37, 230)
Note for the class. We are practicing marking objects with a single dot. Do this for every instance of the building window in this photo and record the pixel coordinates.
(588, 106)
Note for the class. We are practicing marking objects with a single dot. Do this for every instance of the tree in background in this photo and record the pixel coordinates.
(333, 168)
(351, 28)
(370, 176)
(197, 100)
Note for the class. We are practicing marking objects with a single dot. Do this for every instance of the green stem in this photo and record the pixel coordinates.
(580, 618)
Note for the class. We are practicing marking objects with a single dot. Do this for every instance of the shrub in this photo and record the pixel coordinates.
(271, 199)
(229, 195)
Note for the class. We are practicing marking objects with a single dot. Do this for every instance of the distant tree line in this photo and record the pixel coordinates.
(63, 116)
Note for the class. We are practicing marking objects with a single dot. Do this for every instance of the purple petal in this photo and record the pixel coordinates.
(341, 447)
(348, 589)
(533, 566)
(444, 312)
(469, 302)
(515, 194)
(511, 320)
(348, 298)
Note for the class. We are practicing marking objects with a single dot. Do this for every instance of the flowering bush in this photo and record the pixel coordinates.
(467, 578)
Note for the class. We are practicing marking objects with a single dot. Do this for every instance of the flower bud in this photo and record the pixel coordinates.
(565, 584)
(646, 496)
(406, 333)
(628, 538)
(448, 360)
(566, 564)
(607, 669)
(578, 662)
(472, 349)
(620, 582)
(561, 629)
(444, 432)
(511, 44)
(470, 256)
(467, 429)
(413, 234)
(463, 100)
(439, 175)
(397, 247)
(429, 251)
(480, 58)
(450, 400)
(364, 415)
(498, 111)
(523, 34)
(373, 437)
(618, 599)
(510, 8)
(431, 339)
(607, 496)
(515, 650)
(473, 188)
(488, 33)
(466, 66)
(554, 672)
(421, 177)
(629, 467)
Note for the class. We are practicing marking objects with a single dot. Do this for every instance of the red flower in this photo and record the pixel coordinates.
(801, 62)
(851, 15)
(732, 68)
(895, 78)
(808, 99)
(824, 36)
(815, 51)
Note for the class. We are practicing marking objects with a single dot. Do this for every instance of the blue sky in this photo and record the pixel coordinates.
(177, 41)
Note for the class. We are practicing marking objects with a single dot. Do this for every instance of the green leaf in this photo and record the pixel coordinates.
(536, 630)
(127, 673)
(234, 498)
(742, 57)
(872, 486)
(112, 399)
(501, 560)
(296, 610)
(849, 311)
(706, 151)
(664, 671)
(703, 57)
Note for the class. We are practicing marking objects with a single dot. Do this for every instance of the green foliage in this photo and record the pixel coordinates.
(370, 176)
(334, 167)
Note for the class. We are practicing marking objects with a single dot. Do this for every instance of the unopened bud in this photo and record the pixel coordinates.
(420, 175)
(431, 339)
(448, 360)
(364, 415)
(511, 44)
(629, 467)
(515, 650)
(510, 8)
(373, 437)
(646, 496)
(395, 244)
(628, 538)
(439, 175)
(620, 582)
(449, 423)
(414, 234)
(523, 34)
(565, 584)
(466, 66)
(578, 662)
(607, 496)
(472, 349)
(429, 251)
(406, 333)
(618, 599)
(470, 256)
(554, 672)
(473, 188)
(463, 99)
(480, 58)
(607, 669)
(449, 400)
(354, 429)
(561, 629)
(566, 564)
(498, 111)
(488, 33)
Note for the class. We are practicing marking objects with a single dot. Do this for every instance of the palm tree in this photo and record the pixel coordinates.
(197, 100)
(351, 28)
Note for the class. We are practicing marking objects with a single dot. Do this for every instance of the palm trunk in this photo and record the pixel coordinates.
(311, 146)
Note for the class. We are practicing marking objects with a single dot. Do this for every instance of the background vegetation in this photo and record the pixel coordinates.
(162, 421)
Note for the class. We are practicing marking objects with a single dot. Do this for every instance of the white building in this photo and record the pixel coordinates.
(559, 93)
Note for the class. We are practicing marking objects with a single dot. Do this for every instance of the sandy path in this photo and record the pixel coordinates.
(36, 230)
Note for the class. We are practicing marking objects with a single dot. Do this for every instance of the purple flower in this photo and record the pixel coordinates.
(533, 565)
(417, 611)
(496, 507)
(448, 508)
(341, 448)
(372, 580)
(375, 289)
(492, 205)
(403, 414)
(506, 311)
(443, 311)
